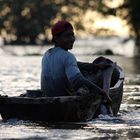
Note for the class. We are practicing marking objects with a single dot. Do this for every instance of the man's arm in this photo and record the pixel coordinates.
(79, 81)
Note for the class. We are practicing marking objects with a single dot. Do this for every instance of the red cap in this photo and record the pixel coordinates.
(61, 26)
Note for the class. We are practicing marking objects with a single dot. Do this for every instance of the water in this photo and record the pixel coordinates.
(19, 73)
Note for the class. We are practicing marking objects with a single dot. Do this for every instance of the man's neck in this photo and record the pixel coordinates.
(60, 47)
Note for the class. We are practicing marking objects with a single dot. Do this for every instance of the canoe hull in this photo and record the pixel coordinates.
(50, 109)
(59, 109)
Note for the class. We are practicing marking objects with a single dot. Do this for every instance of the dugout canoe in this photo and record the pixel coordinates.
(58, 109)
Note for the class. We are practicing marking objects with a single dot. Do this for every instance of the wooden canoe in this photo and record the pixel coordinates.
(58, 109)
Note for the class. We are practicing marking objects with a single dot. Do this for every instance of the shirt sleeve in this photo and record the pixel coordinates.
(71, 68)
(75, 77)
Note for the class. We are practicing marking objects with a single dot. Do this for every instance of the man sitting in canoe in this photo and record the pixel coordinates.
(61, 74)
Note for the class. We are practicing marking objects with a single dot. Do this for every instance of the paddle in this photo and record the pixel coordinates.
(107, 74)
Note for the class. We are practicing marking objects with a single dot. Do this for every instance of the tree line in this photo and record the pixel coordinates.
(28, 22)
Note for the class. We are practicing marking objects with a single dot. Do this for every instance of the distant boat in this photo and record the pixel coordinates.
(58, 109)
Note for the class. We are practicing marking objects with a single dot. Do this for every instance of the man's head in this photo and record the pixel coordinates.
(63, 35)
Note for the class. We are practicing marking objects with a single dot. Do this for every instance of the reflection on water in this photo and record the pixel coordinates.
(20, 73)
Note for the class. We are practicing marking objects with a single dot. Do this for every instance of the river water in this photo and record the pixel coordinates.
(19, 73)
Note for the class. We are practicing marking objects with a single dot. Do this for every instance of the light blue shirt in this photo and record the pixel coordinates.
(59, 68)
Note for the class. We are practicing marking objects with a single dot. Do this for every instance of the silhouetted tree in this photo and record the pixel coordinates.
(133, 18)
(26, 20)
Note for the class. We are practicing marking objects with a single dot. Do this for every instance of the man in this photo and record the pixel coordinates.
(60, 74)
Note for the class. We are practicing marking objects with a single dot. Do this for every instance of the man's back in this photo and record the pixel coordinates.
(58, 65)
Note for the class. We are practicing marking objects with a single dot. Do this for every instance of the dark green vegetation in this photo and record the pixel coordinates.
(28, 22)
